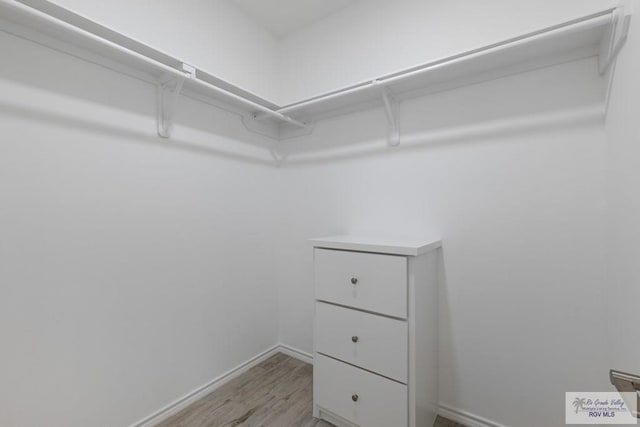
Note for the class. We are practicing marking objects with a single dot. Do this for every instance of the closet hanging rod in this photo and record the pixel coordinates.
(37, 14)
(595, 20)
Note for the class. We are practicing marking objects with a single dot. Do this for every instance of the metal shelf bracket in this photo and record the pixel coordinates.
(167, 96)
(391, 110)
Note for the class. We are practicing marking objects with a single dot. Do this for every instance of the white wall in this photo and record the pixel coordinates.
(133, 269)
(212, 35)
(521, 215)
(376, 37)
(623, 132)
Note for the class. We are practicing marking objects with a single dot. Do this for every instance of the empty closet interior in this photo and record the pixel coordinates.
(170, 172)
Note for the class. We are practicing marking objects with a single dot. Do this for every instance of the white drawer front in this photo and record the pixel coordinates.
(376, 343)
(380, 280)
(380, 402)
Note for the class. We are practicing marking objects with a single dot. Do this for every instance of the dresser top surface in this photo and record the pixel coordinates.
(379, 244)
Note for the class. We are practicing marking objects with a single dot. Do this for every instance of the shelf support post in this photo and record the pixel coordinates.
(167, 96)
(391, 110)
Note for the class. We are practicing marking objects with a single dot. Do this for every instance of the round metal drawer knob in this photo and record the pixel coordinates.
(354, 280)
(354, 338)
(354, 397)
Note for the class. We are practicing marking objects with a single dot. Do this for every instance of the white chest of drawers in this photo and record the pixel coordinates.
(376, 332)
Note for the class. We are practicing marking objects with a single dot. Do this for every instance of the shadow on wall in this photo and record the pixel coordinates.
(124, 133)
(447, 366)
(469, 134)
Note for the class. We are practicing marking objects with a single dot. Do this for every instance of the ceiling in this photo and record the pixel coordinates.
(284, 17)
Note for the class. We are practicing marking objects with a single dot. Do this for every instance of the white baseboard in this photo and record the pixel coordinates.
(465, 418)
(295, 353)
(181, 403)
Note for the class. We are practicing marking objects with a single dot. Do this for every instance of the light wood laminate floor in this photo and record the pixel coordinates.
(276, 393)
